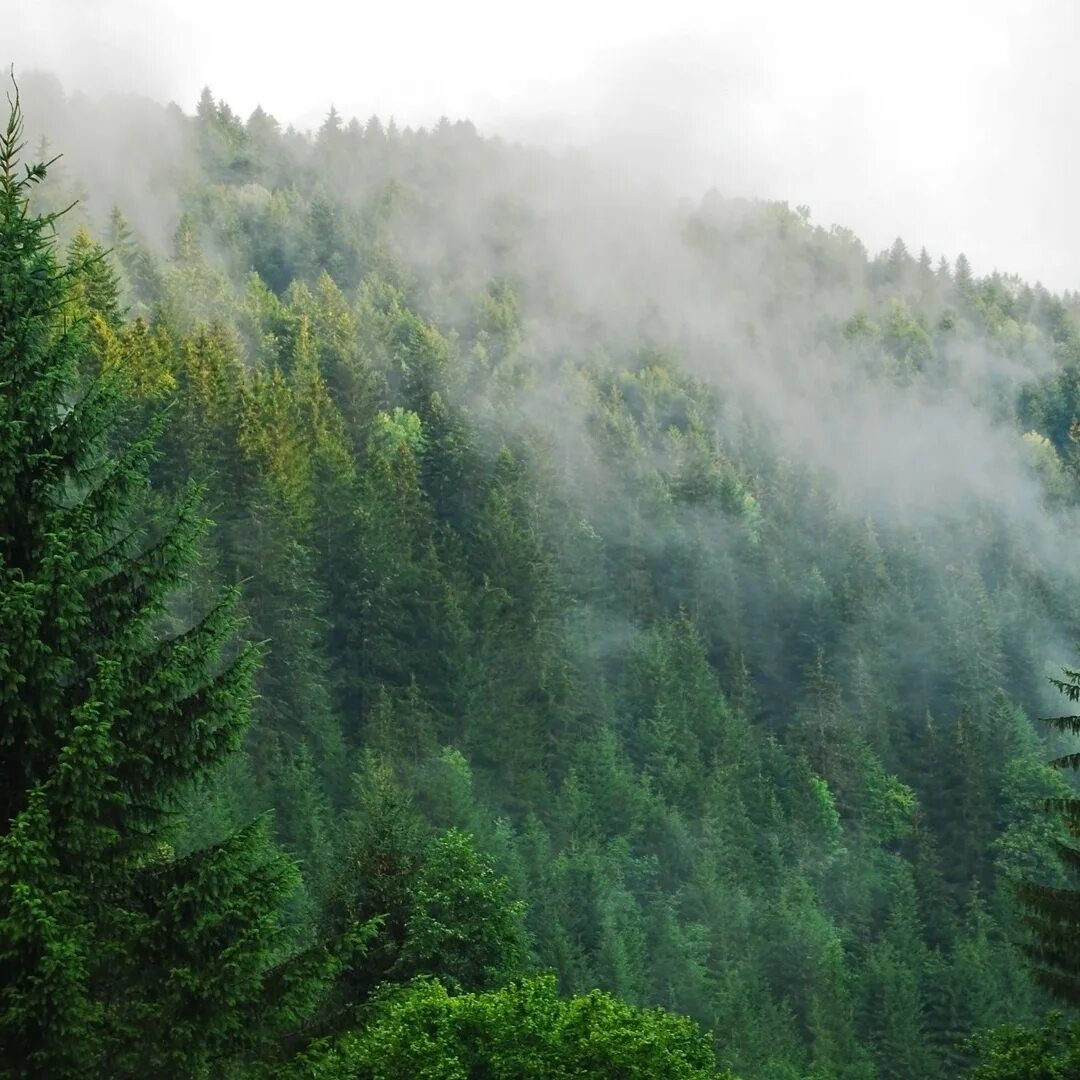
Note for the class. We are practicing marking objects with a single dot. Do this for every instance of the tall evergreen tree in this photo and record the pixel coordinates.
(1052, 912)
(118, 956)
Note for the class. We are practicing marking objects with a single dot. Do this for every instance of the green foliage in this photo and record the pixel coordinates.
(592, 633)
(523, 1030)
(441, 908)
(1051, 912)
(1050, 1051)
(116, 957)
(461, 921)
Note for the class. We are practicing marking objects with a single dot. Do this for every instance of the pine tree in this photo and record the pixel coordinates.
(118, 956)
(1052, 912)
(962, 276)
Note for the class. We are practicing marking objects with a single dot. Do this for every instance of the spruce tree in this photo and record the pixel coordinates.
(118, 955)
(1051, 913)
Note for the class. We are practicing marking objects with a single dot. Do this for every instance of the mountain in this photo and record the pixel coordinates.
(655, 594)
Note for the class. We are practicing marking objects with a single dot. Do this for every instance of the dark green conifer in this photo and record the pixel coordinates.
(1052, 912)
(118, 955)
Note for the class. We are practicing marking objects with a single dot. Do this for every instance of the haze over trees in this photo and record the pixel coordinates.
(614, 650)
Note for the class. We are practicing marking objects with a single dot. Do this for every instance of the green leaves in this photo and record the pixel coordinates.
(461, 923)
(524, 1031)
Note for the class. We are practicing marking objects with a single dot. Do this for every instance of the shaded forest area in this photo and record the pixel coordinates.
(646, 606)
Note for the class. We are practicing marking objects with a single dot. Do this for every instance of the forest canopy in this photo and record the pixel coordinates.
(457, 620)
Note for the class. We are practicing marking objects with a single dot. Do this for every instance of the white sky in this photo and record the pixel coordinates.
(951, 123)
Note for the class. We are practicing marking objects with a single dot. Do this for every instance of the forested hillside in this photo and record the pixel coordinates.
(654, 594)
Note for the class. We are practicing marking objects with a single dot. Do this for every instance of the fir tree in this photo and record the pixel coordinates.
(118, 956)
(1052, 912)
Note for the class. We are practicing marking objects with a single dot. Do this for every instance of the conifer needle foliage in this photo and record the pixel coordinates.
(118, 955)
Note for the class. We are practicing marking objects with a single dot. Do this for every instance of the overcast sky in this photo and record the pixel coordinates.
(952, 123)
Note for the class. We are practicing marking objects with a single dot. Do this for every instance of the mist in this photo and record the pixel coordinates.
(949, 125)
(642, 446)
(610, 151)
(607, 253)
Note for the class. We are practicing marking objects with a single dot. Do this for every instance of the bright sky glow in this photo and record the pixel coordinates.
(950, 123)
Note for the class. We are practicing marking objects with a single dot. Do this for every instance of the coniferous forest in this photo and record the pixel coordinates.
(464, 616)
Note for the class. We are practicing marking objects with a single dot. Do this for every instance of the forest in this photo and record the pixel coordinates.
(462, 615)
